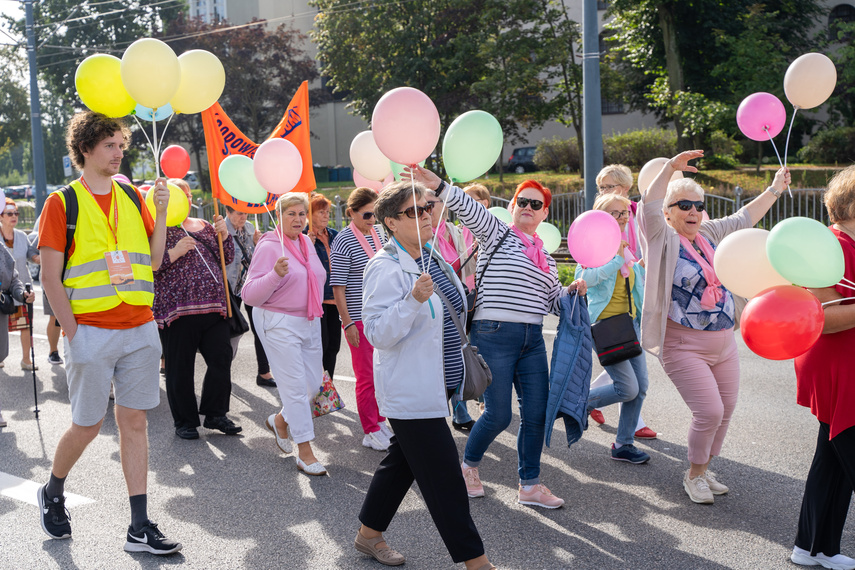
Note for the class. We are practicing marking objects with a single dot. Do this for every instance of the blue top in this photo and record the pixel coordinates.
(686, 292)
(601, 286)
(325, 260)
(451, 355)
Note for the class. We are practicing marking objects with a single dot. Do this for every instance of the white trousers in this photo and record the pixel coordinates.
(293, 347)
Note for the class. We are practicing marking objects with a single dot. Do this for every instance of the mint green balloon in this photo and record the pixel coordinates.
(238, 179)
(805, 253)
(397, 169)
(472, 144)
(550, 235)
(501, 213)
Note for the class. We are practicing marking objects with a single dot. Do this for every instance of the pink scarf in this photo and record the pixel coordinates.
(313, 303)
(446, 246)
(713, 292)
(629, 261)
(364, 242)
(533, 250)
(630, 236)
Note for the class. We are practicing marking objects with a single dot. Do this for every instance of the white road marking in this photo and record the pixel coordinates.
(25, 490)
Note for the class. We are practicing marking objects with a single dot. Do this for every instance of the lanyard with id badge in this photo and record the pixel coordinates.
(118, 261)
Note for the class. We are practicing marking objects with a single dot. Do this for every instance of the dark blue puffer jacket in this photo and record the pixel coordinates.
(570, 372)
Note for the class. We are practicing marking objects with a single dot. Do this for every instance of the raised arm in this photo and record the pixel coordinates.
(758, 207)
(659, 187)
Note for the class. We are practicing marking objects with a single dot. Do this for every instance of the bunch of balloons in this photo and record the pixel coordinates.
(276, 168)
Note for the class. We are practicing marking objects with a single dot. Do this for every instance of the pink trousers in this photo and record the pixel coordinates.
(704, 367)
(362, 358)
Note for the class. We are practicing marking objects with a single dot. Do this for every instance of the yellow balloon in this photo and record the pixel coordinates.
(150, 72)
(178, 208)
(202, 81)
(99, 84)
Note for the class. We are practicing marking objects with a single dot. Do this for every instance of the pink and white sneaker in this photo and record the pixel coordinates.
(539, 496)
(474, 488)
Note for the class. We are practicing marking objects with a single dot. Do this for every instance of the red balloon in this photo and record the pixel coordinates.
(175, 162)
(782, 322)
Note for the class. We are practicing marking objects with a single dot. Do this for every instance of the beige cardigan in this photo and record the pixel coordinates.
(661, 245)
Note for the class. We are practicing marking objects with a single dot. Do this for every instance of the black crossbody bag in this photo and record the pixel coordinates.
(472, 296)
(614, 338)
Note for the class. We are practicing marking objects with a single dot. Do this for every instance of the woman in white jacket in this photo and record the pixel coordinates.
(417, 364)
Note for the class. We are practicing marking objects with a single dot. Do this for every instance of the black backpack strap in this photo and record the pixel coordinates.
(132, 194)
(71, 210)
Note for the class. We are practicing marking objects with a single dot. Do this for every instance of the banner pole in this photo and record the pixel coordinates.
(223, 263)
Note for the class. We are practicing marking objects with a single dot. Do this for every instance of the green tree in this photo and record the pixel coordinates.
(842, 101)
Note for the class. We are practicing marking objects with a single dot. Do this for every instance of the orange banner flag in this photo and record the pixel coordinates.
(223, 138)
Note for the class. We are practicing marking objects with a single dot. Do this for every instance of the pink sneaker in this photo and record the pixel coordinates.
(474, 488)
(646, 433)
(539, 496)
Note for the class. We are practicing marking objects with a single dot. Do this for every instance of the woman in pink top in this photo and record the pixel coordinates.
(284, 285)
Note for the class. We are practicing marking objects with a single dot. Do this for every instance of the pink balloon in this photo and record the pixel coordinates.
(122, 178)
(406, 125)
(389, 179)
(761, 116)
(277, 165)
(593, 238)
(361, 181)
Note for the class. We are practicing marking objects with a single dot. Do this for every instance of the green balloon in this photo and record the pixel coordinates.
(550, 235)
(805, 253)
(238, 179)
(472, 144)
(397, 169)
(501, 213)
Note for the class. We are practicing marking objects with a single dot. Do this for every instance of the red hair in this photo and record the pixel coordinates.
(547, 195)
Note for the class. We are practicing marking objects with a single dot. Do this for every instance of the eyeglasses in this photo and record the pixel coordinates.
(618, 214)
(686, 205)
(535, 204)
(411, 211)
(366, 215)
(608, 187)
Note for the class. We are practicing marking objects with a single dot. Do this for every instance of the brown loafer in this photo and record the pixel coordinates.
(385, 556)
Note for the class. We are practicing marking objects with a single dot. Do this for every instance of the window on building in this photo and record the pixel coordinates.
(611, 107)
(338, 96)
(602, 4)
(840, 14)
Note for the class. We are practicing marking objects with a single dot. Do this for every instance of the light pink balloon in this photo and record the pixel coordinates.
(593, 238)
(406, 125)
(277, 165)
(367, 158)
(761, 116)
(389, 179)
(122, 178)
(361, 181)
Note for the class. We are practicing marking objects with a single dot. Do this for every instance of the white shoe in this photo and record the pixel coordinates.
(387, 431)
(836, 562)
(284, 443)
(314, 469)
(376, 440)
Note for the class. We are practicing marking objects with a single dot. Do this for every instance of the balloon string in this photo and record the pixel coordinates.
(780, 162)
(163, 134)
(844, 280)
(436, 234)
(202, 257)
(150, 146)
(156, 150)
(838, 301)
(789, 131)
(416, 212)
(276, 226)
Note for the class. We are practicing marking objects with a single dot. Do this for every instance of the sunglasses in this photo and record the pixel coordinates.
(10, 214)
(686, 205)
(411, 211)
(535, 204)
(367, 215)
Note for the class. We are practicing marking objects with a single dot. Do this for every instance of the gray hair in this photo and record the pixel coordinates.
(289, 199)
(392, 199)
(621, 174)
(679, 185)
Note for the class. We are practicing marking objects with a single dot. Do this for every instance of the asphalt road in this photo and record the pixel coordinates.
(238, 502)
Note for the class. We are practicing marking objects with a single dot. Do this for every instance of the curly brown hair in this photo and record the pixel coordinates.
(86, 130)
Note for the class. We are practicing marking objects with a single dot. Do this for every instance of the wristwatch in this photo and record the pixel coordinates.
(777, 193)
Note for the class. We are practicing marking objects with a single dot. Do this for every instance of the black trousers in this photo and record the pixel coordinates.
(424, 451)
(209, 333)
(260, 355)
(330, 337)
(828, 491)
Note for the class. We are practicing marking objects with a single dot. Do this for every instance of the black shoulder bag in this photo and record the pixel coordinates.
(472, 296)
(614, 337)
(237, 322)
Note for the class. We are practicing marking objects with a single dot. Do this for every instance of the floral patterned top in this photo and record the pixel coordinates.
(686, 292)
(186, 286)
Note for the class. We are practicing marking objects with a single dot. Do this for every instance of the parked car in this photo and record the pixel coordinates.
(522, 160)
(192, 179)
(21, 192)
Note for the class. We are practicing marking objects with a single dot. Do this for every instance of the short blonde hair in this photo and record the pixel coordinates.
(679, 185)
(621, 174)
(603, 200)
(181, 184)
(840, 196)
(478, 191)
(289, 199)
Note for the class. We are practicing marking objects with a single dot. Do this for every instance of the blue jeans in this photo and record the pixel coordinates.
(459, 411)
(629, 385)
(516, 355)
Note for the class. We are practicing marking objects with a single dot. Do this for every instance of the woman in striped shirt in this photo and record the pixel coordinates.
(350, 252)
(519, 285)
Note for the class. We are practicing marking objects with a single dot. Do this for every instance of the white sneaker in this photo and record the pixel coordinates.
(387, 431)
(376, 440)
(836, 562)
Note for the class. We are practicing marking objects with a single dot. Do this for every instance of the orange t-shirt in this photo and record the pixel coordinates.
(52, 234)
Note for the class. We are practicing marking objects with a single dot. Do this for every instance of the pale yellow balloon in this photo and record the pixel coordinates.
(742, 265)
(202, 82)
(810, 80)
(151, 72)
(651, 170)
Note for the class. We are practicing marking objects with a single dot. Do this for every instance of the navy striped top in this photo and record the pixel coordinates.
(451, 355)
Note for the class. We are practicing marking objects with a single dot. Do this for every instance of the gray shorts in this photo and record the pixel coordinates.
(46, 305)
(129, 358)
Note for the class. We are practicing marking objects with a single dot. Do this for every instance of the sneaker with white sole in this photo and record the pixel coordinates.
(836, 562)
(150, 539)
(715, 487)
(54, 358)
(53, 515)
(539, 496)
(698, 489)
(474, 488)
(387, 431)
(376, 440)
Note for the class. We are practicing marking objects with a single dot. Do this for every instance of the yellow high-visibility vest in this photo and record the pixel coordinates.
(85, 277)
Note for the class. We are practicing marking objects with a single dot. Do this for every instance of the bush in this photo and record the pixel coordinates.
(719, 162)
(558, 155)
(635, 148)
(723, 145)
(830, 146)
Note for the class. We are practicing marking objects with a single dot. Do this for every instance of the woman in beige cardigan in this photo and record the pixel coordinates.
(688, 316)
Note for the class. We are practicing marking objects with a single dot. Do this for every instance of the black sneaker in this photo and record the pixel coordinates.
(54, 358)
(150, 539)
(187, 432)
(54, 516)
(223, 424)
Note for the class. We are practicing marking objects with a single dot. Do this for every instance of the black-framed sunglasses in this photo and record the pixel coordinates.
(535, 204)
(411, 211)
(686, 205)
(10, 214)
(367, 215)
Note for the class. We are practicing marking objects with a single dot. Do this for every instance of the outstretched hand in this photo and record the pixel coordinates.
(782, 179)
(681, 161)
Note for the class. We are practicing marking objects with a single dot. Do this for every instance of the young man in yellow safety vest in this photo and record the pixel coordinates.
(101, 289)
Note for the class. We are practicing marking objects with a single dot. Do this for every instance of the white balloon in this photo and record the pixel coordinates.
(742, 265)
(810, 80)
(651, 170)
(367, 158)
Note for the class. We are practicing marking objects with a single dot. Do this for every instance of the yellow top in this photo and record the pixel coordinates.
(618, 303)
